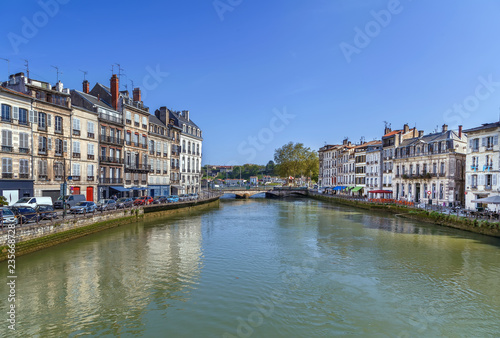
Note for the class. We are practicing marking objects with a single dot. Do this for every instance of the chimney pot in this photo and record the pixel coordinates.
(406, 128)
(445, 127)
(115, 85)
(86, 87)
(460, 131)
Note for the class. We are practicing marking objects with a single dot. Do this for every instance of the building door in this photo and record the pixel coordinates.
(12, 196)
(90, 194)
(417, 193)
(76, 191)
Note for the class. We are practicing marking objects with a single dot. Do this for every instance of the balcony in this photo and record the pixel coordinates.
(75, 178)
(144, 146)
(158, 153)
(90, 178)
(58, 177)
(6, 175)
(76, 132)
(136, 124)
(158, 171)
(137, 167)
(487, 187)
(165, 171)
(58, 131)
(111, 139)
(42, 128)
(474, 187)
(43, 178)
(90, 135)
(24, 150)
(90, 157)
(58, 154)
(473, 167)
(151, 152)
(76, 155)
(42, 151)
(144, 182)
(165, 155)
(144, 126)
(25, 176)
(107, 180)
(135, 144)
(128, 182)
(109, 159)
(7, 149)
(136, 182)
(117, 120)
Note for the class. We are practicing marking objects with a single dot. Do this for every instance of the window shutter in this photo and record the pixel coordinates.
(49, 140)
(65, 146)
(484, 141)
(49, 120)
(494, 179)
(495, 140)
(15, 113)
(468, 180)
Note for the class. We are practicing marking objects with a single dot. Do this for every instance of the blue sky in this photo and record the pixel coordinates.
(258, 74)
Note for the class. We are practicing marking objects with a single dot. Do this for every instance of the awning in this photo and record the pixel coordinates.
(357, 188)
(488, 200)
(340, 187)
(348, 188)
(118, 188)
(380, 192)
(139, 188)
(177, 187)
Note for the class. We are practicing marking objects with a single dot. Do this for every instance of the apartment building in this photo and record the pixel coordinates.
(159, 158)
(327, 177)
(16, 147)
(191, 146)
(108, 131)
(430, 168)
(482, 164)
(50, 119)
(373, 166)
(390, 141)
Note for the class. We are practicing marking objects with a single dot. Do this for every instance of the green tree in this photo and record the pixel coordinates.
(270, 168)
(293, 159)
(3, 201)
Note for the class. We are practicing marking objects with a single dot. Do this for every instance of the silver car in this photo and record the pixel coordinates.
(7, 216)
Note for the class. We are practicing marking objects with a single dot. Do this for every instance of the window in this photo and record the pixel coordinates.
(7, 140)
(127, 138)
(197, 149)
(42, 120)
(58, 170)
(183, 146)
(42, 144)
(23, 116)
(433, 190)
(488, 182)
(90, 129)
(144, 140)
(441, 191)
(90, 170)
(136, 120)
(58, 124)
(434, 168)
(90, 151)
(76, 169)
(6, 113)
(24, 170)
(76, 126)
(103, 151)
(136, 139)
(76, 149)
(42, 169)
(59, 147)
(442, 168)
(128, 116)
(474, 181)
(144, 122)
(6, 167)
(474, 144)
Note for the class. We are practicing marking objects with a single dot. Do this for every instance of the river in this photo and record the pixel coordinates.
(263, 268)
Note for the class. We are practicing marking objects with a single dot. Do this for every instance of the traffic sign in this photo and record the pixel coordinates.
(429, 193)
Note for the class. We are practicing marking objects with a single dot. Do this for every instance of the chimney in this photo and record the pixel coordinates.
(186, 114)
(115, 85)
(406, 128)
(420, 133)
(98, 97)
(460, 131)
(387, 130)
(445, 127)
(86, 87)
(137, 94)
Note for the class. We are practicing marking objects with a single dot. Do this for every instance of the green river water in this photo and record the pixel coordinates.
(262, 268)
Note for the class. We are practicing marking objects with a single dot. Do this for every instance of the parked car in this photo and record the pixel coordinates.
(7, 216)
(25, 214)
(124, 202)
(68, 201)
(46, 212)
(33, 202)
(193, 197)
(83, 207)
(106, 204)
(143, 200)
(172, 198)
(160, 199)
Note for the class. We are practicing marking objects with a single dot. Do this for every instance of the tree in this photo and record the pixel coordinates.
(296, 160)
(270, 168)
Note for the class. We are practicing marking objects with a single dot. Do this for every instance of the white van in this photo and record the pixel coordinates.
(33, 201)
(70, 201)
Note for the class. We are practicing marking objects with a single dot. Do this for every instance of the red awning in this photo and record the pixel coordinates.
(380, 192)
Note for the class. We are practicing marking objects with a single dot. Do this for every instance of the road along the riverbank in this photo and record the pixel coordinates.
(28, 239)
(484, 227)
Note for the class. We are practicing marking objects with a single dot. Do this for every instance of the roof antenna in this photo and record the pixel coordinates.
(26, 64)
(8, 66)
(57, 71)
(84, 74)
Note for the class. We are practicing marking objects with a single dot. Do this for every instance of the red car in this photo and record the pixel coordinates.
(144, 200)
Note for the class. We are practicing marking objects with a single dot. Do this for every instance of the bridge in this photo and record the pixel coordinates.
(275, 192)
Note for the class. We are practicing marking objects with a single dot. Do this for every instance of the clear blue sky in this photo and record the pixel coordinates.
(239, 67)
